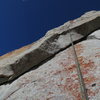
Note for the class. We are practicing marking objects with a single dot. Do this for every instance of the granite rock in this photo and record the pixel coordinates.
(57, 78)
(16, 63)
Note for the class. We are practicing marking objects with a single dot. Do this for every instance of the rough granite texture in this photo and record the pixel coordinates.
(46, 70)
(57, 79)
(19, 61)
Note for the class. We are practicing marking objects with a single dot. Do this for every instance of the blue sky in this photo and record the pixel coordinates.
(25, 21)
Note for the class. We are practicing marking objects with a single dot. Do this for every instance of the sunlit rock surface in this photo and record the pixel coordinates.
(46, 69)
(14, 64)
(57, 79)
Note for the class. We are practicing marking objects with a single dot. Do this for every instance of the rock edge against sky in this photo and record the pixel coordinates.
(51, 62)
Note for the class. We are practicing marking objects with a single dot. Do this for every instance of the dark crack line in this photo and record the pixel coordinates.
(11, 94)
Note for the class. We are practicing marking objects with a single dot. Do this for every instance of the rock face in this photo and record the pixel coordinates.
(56, 78)
(17, 62)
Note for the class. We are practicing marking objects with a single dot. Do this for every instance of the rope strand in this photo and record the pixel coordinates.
(80, 76)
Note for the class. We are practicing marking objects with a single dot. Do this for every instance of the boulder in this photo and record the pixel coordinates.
(57, 78)
(16, 63)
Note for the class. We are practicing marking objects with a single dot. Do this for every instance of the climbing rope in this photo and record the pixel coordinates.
(84, 95)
